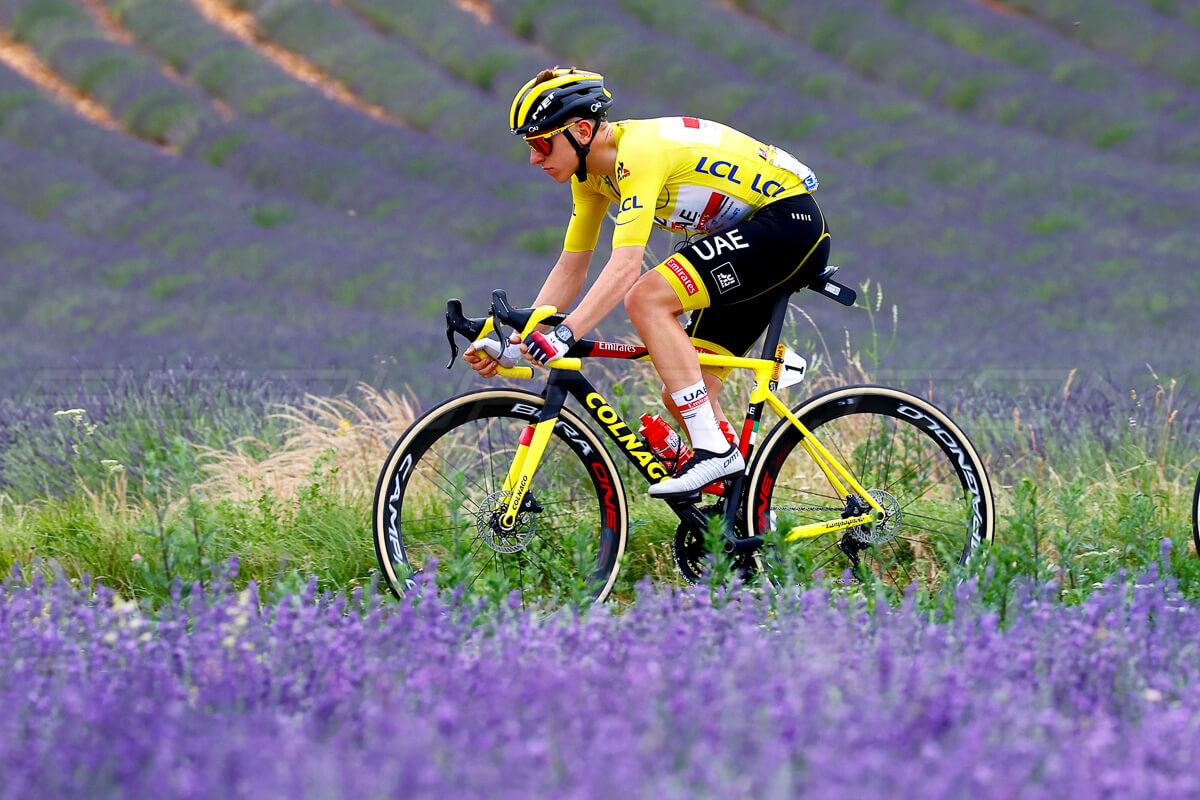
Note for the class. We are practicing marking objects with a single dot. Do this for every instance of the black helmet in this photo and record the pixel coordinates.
(570, 93)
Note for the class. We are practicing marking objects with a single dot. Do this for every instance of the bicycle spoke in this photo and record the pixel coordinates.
(947, 525)
(487, 428)
(898, 560)
(482, 570)
(902, 451)
(455, 491)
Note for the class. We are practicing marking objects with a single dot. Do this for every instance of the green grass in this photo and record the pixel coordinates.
(159, 324)
(104, 68)
(51, 195)
(1055, 221)
(219, 150)
(1083, 73)
(960, 171)
(26, 21)
(119, 275)
(1074, 509)
(541, 241)
(272, 214)
(349, 291)
(1115, 134)
(1049, 290)
(893, 113)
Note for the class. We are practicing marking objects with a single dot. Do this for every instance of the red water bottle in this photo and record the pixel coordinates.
(664, 442)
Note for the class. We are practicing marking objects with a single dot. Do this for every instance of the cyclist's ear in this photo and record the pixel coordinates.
(588, 125)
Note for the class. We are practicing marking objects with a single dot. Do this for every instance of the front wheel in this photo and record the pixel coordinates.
(443, 483)
(906, 454)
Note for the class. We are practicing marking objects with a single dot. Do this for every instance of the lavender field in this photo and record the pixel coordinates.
(296, 186)
(682, 696)
(228, 229)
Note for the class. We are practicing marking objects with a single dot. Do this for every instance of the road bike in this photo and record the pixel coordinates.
(515, 490)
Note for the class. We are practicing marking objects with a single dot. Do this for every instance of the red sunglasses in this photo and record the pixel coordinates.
(542, 143)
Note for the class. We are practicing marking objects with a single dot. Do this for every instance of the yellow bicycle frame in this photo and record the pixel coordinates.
(766, 372)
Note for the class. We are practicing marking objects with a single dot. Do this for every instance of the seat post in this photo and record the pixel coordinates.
(775, 328)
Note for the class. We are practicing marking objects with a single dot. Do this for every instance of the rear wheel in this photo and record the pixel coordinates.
(1196, 516)
(906, 454)
(441, 487)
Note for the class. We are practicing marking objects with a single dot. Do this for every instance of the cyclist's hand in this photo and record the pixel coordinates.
(543, 348)
(508, 356)
(486, 355)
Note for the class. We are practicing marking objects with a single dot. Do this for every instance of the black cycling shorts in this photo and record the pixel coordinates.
(731, 280)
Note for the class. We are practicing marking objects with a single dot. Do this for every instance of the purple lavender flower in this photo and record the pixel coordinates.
(235, 695)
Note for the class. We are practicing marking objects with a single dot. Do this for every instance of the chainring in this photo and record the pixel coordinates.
(691, 555)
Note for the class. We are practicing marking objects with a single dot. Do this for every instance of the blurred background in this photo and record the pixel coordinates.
(295, 187)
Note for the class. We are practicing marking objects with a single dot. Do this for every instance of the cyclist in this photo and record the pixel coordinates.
(753, 231)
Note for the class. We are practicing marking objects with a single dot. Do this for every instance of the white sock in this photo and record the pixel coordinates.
(699, 418)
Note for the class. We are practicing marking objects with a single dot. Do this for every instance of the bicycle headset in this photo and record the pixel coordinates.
(570, 93)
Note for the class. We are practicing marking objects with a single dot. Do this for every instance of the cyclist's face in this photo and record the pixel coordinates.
(554, 155)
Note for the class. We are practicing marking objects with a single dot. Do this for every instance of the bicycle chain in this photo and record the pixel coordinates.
(803, 508)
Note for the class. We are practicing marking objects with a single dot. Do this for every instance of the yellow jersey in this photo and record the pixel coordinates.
(683, 174)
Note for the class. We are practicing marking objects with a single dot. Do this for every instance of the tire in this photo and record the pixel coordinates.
(1196, 516)
(437, 488)
(900, 448)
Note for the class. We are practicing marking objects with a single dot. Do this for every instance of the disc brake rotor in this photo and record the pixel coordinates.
(487, 524)
(886, 529)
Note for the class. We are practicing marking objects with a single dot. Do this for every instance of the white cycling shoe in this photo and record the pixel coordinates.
(704, 468)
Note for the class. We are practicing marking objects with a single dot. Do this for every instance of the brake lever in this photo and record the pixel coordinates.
(497, 328)
(500, 304)
(453, 313)
(453, 348)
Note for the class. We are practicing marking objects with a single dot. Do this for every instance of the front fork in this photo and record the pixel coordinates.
(532, 446)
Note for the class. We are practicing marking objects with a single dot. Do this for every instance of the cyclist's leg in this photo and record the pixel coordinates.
(730, 286)
(653, 307)
(712, 383)
(747, 265)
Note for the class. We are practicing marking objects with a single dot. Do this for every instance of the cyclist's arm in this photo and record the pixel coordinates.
(565, 280)
(610, 288)
(640, 188)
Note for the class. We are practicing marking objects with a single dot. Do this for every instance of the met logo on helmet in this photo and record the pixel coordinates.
(542, 106)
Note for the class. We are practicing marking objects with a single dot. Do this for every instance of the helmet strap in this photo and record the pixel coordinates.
(581, 151)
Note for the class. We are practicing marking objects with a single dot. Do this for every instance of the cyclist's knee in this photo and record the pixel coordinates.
(650, 294)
